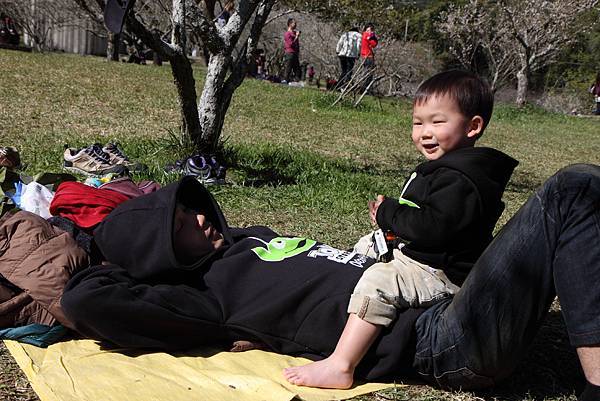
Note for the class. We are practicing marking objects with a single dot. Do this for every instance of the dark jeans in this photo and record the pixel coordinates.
(367, 72)
(346, 64)
(551, 246)
(292, 63)
(597, 112)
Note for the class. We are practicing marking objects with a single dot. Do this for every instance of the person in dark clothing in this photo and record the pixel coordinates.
(291, 293)
(8, 30)
(444, 219)
(291, 49)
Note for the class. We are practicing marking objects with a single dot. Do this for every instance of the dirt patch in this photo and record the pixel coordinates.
(14, 386)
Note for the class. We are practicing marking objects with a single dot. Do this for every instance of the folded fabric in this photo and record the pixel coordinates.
(84, 205)
(127, 187)
(39, 335)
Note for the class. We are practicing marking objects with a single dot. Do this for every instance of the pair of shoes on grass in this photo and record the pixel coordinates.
(99, 160)
(206, 169)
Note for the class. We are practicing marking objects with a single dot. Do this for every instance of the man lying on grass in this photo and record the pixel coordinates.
(177, 276)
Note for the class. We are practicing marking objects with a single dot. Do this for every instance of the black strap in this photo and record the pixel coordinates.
(115, 12)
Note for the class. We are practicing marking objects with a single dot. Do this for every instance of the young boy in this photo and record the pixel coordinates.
(444, 219)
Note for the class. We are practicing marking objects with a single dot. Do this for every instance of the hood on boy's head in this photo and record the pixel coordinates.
(138, 234)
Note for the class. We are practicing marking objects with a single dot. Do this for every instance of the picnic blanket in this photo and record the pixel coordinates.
(83, 371)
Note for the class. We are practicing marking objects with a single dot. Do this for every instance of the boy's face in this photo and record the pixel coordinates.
(439, 127)
(193, 235)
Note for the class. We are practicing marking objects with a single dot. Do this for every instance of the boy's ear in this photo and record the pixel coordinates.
(475, 127)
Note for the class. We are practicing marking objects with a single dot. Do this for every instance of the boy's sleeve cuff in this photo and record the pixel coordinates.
(385, 213)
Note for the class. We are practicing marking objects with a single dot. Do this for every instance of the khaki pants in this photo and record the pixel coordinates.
(399, 284)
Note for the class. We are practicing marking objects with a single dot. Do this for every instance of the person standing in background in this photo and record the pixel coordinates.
(368, 42)
(348, 50)
(291, 48)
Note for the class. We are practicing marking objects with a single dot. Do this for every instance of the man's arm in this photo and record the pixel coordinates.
(106, 303)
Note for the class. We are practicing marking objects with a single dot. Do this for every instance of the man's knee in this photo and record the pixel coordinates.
(580, 171)
(575, 178)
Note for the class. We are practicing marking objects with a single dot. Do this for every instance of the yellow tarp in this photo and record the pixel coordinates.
(82, 371)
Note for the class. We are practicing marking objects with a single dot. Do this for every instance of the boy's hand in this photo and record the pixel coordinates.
(373, 206)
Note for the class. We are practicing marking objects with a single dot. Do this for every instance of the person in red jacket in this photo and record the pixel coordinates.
(368, 43)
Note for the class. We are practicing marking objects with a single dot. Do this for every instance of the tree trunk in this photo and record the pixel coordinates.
(183, 76)
(212, 107)
(522, 84)
(112, 46)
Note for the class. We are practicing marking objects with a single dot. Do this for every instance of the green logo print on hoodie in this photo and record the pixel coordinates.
(281, 248)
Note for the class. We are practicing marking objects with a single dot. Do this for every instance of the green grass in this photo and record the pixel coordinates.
(296, 163)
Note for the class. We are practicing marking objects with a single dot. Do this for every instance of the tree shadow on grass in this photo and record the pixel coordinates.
(257, 167)
(522, 182)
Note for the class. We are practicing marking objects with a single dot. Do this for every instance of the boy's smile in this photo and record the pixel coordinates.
(439, 127)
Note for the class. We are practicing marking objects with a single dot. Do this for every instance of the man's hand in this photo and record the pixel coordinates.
(373, 206)
(244, 345)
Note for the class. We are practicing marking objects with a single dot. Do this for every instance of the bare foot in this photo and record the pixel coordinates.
(328, 373)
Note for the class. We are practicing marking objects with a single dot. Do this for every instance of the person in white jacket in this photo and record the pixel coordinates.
(348, 50)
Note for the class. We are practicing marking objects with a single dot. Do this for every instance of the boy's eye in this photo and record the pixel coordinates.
(438, 121)
(417, 123)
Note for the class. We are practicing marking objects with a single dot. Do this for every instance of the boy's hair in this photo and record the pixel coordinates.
(472, 94)
(369, 25)
(290, 20)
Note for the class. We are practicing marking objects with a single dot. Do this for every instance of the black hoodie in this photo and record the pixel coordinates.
(289, 293)
(459, 199)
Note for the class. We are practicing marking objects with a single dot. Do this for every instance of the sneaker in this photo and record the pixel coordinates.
(206, 169)
(116, 156)
(197, 166)
(218, 171)
(9, 158)
(90, 161)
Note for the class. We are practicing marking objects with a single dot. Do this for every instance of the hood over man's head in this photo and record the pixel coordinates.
(139, 235)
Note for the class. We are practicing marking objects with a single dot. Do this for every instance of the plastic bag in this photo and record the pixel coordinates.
(15, 195)
(36, 198)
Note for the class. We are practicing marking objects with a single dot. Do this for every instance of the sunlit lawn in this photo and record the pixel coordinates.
(297, 164)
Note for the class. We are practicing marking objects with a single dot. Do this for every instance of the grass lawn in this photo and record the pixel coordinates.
(297, 165)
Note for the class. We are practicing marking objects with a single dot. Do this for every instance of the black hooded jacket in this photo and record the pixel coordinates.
(449, 207)
(289, 293)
